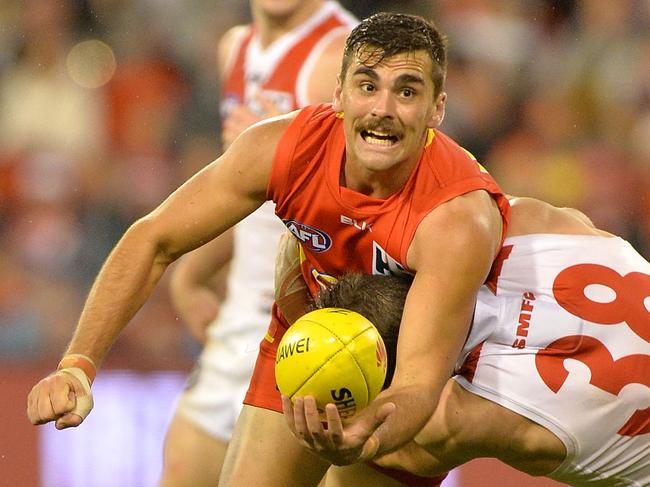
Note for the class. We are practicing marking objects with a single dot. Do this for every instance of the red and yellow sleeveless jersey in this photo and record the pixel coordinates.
(344, 231)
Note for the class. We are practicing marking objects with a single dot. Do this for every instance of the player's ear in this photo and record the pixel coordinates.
(439, 111)
(336, 103)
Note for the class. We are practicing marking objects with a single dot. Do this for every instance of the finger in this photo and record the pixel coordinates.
(314, 424)
(287, 410)
(44, 411)
(384, 411)
(334, 424)
(372, 444)
(63, 400)
(82, 396)
(299, 420)
(368, 423)
(312, 415)
(68, 421)
(31, 405)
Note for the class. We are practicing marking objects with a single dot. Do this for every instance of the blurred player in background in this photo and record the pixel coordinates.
(286, 59)
(558, 357)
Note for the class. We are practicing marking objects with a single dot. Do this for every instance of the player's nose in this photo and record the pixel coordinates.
(383, 104)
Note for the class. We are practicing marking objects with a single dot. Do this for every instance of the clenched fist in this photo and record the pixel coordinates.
(64, 397)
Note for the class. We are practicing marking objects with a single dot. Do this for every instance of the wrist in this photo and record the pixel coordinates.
(79, 361)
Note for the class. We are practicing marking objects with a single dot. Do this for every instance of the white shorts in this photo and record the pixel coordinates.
(215, 389)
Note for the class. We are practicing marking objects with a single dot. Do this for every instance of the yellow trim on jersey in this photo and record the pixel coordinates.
(301, 255)
(338, 114)
(430, 135)
(472, 157)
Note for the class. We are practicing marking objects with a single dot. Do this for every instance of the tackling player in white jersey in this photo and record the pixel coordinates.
(554, 378)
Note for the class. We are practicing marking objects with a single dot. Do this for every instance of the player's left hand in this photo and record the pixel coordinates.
(340, 442)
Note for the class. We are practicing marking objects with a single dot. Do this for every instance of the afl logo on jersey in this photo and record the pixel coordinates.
(312, 238)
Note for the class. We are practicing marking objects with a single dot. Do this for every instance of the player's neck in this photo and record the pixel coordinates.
(271, 28)
(380, 184)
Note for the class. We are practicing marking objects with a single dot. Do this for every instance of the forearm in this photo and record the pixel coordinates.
(414, 406)
(414, 459)
(123, 285)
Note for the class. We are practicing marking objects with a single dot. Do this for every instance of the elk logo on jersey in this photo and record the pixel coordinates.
(312, 238)
(383, 264)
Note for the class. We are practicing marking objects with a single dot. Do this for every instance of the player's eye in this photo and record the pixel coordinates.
(407, 92)
(367, 87)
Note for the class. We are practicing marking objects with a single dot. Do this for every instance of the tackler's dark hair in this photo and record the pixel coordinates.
(378, 298)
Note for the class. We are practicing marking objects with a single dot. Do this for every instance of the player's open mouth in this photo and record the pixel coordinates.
(379, 137)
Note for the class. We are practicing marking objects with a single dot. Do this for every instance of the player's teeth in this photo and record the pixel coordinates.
(378, 138)
(372, 140)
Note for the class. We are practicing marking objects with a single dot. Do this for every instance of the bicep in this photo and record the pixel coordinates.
(451, 260)
(219, 195)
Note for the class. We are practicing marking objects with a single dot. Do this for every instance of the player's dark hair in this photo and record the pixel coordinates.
(386, 34)
(379, 298)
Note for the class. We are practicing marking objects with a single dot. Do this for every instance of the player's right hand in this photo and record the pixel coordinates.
(340, 443)
(64, 397)
(241, 117)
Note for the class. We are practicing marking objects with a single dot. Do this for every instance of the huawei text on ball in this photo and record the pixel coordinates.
(288, 349)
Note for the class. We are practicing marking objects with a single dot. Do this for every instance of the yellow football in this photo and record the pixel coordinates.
(335, 355)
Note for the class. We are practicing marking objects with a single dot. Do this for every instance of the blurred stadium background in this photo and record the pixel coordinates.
(107, 105)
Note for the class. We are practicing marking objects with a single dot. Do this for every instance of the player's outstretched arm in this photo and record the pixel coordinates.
(205, 206)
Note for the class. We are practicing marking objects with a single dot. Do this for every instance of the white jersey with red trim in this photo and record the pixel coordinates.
(565, 342)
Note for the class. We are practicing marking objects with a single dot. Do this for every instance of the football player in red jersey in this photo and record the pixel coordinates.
(375, 156)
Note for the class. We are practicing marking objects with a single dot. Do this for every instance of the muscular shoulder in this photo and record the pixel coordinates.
(263, 135)
(467, 224)
(322, 78)
(251, 154)
(227, 45)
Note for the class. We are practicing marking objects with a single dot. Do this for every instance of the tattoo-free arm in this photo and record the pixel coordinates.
(452, 253)
(209, 203)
